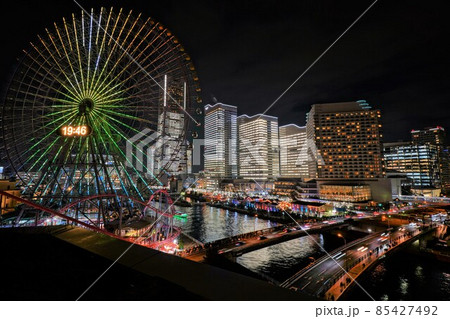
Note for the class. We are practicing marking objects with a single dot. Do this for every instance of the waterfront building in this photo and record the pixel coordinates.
(295, 188)
(347, 138)
(418, 161)
(293, 151)
(346, 193)
(258, 147)
(436, 136)
(220, 141)
(345, 151)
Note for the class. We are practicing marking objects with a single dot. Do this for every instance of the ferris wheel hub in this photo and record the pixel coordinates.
(85, 106)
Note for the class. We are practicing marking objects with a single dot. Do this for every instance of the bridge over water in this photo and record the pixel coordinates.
(235, 246)
(329, 276)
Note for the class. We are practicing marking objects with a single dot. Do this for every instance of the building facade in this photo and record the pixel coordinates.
(258, 147)
(169, 150)
(436, 136)
(347, 138)
(418, 161)
(293, 151)
(345, 152)
(221, 141)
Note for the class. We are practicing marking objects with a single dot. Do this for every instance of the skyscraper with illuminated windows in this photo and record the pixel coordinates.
(171, 145)
(436, 136)
(220, 141)
(258, 147)
(293, 151)
(347, 138)
(418, 161)
(345, 149)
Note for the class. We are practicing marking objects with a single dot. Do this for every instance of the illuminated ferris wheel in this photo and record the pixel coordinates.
(84, 91)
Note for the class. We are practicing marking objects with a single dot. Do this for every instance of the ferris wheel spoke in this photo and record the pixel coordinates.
(136, 172)
(119, 122)
(49, 71)
(147, 76)
(123, 184)
(100, 51)
(46, 151)
(29, 137)
(123, 115)
(89, 54)
(70, 180)
(39, 142)
(75, 92)
(77, 46)
(38, 95)
(69, 61)
(135, 60)
(43, 84)
(110, 96)
(113, 49)
(125, 52)
(133, 155)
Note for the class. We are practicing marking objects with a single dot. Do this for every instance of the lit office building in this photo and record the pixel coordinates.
(344, 149)
(418, 161)
(436, 136)
(258, 149)
(433, 135)
(169, 151)
(293, 151)
(220, 141)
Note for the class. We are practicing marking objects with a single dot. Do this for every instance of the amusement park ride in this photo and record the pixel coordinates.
(82, 91)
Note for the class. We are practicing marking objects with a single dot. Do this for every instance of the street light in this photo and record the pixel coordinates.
(340, 235)
(345, 244)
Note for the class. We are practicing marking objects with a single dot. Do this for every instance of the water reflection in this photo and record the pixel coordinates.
(207, 224)
(404, 276)
(278, 261)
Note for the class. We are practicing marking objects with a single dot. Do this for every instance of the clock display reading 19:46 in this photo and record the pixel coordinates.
(74, 130)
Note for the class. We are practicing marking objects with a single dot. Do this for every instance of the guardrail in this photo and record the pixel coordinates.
(423, 198)
(326, 289)
(288, 282)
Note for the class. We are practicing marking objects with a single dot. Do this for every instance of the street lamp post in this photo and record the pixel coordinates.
(345, 244)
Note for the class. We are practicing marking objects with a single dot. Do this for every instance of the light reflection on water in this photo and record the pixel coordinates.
(282, 260)
(404, 275)
(207, 224)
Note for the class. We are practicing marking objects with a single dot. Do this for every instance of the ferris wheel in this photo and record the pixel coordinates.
(86, 93)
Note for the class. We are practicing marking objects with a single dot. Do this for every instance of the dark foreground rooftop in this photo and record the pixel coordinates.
(59, 263)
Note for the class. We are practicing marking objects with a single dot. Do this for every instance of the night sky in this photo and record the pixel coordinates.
(248, 52)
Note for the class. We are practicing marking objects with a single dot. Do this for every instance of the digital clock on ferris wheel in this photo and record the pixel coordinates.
(74, 130)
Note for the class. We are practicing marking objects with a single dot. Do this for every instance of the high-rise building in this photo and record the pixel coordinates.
(171, 145)
(345, 152)
(436, 136)
(344, 141)
(293, 151)
(418, 161)
(433, 135)
(258, 147)
(220, 141)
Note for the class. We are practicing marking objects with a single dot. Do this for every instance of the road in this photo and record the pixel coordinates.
(249, 242)
(330, 266)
